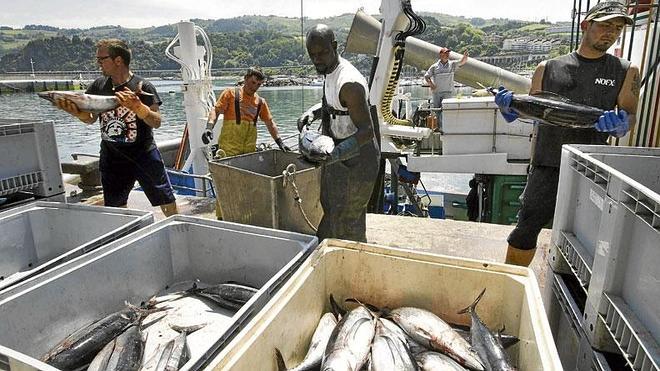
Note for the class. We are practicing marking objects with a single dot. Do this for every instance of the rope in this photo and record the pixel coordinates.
(290, 177)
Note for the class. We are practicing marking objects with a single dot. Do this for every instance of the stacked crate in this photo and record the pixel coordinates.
(29, 161)
(604, 289)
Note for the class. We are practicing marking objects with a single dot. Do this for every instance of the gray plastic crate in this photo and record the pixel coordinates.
(565, 319)
(607, 229)
(143, 264)
(29, 160)
(41, 235)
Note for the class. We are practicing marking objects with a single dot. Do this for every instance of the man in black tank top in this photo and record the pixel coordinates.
(589, 76)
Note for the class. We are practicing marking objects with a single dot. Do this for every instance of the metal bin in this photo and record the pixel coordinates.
(251, 190)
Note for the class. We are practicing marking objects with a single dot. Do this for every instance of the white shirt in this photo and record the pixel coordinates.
(341, 126)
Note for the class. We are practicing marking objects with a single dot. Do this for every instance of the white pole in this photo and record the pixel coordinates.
(194, 98)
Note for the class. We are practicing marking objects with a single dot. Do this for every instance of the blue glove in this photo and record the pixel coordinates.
(503, 100)
(613, 123)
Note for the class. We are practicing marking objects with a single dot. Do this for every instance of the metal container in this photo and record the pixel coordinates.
(393, 277)
(29, 161)
(41, 235)
(251, 190)
(144, 264)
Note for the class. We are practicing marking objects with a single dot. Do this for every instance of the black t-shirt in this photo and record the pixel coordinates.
(594, 82)
(121, 129)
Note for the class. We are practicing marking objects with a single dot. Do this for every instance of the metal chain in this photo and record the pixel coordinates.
(289, 176)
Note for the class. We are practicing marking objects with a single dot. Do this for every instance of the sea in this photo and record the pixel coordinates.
(286, 103)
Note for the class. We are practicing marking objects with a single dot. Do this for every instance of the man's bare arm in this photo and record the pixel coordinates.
(537, 79)
(629, 94)
(353, 96)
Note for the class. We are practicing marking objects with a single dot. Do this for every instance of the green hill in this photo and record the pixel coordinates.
(267, 41)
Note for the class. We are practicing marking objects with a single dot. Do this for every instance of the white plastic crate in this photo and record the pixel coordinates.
(474, 125)
(29, 160)
(41, 235)
(145, 263)
(393, 277)
(607, 228)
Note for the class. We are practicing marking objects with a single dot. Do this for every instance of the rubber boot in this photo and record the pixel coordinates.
(519, 256)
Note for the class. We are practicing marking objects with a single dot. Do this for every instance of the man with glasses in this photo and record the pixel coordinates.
(588, 76)
(128, 150)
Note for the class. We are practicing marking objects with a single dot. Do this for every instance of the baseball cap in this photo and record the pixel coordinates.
(606, 10)
(444, 50)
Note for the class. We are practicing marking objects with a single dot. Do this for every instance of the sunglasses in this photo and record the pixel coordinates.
(100, 59)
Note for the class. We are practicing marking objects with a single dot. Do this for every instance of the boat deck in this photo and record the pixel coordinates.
(481, 241)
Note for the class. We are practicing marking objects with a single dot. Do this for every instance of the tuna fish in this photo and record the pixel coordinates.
(124, 353)
(434, 361)
(485, 343)
(315, 146)
(79, 348)
(317, 346)
(87, 102)
(554, 109)
(227, 295)
(350, 342)
(431, 331)
(174, 355)
(389, 351)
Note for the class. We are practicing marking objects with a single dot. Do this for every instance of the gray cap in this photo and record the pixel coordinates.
(606, 10)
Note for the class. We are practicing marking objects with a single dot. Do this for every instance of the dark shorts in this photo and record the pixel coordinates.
(119, 173)
(537, 206)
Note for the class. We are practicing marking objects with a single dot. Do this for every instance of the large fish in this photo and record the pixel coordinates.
(227, 295)
(485, 343)
(315, 146)
(431, 331)
(389, 350)
(79, 348)
(554, 109)
(124, 353)
(434, 361)
(317, 346)
(350, 342)
(88, 102)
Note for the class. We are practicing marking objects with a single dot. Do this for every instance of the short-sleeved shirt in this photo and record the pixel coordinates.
(120, 127)
(442, 75)
(248, 106)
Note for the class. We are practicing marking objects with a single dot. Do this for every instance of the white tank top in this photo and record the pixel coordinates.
(341, 126)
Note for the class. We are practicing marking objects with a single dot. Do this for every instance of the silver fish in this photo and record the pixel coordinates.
(430, 330)
(124, 353)
(227, 295)
(317, 346)
(348, 347)
(174, 355)
(434, 361)
(79, 348)
(315, 146)
(485, 343)
(389, 350)
(415, 347)
(88, 102)
(85, 102)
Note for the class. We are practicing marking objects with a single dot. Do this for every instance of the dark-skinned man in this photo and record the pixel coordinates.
(589, 76)
(349, 172)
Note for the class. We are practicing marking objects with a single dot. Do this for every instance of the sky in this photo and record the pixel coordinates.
(145, 13)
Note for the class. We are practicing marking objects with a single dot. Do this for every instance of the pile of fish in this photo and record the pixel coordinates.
(117, 341)
(404, 338)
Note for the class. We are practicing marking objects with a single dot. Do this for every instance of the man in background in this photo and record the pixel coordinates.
(440, 77)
